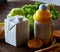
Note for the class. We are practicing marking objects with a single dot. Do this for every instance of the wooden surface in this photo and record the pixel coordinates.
(4, 10)
(4, 47)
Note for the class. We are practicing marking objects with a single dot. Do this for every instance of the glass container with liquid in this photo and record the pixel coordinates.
(43, 24)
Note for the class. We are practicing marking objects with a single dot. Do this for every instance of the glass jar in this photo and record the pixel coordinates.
(43, 31)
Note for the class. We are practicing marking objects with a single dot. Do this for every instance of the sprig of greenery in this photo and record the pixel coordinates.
(54, 12)
(29, 12)
(31, 9)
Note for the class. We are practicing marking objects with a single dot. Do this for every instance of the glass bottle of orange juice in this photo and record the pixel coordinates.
(43, 24)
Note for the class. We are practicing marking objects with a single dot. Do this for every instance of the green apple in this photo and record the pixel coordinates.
(16, 11)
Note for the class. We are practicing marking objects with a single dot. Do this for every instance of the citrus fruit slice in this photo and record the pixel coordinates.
(34, 43)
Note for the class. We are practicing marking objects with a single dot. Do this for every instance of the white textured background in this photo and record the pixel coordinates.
(56, 2)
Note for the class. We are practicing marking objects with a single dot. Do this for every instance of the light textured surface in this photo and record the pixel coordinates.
(17, 0)
(56, 2)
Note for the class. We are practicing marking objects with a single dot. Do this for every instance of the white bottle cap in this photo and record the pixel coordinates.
(43, 7)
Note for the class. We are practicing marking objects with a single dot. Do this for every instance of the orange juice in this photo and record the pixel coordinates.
(42, 24)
